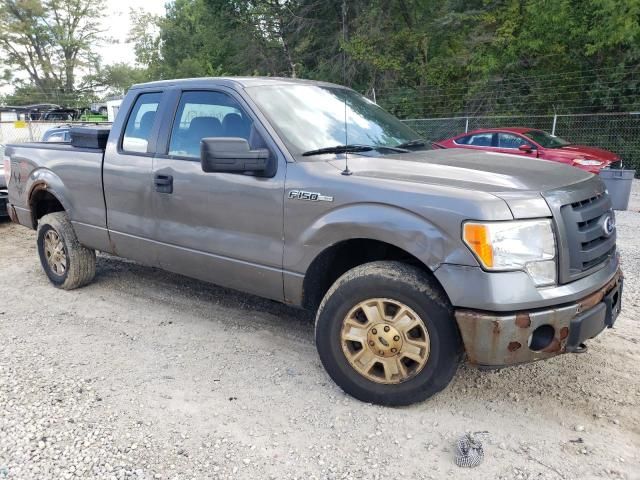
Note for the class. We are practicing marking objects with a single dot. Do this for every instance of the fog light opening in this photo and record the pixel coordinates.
(541, 337)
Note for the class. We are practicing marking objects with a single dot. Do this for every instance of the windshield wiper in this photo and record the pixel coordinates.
(354, 148)
(339, 149)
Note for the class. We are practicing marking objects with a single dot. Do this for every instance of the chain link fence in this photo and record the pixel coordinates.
(617, 132)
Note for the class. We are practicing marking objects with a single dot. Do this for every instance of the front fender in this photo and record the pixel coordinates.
(390, 224)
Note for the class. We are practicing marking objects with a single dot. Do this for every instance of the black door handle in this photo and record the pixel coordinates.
(164, 183)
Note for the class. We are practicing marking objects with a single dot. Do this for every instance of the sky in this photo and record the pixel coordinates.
(117, 26)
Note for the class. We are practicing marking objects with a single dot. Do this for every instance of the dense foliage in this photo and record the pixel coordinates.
(416, 57)
(436, 57)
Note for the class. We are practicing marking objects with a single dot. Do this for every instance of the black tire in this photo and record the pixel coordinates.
(80, 264)
(412, 287)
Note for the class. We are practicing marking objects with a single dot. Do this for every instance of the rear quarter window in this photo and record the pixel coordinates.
(141, 119)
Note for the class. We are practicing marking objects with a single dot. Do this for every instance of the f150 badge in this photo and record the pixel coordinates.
(309, 196)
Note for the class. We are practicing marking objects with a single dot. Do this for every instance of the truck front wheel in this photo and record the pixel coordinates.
(68, 264)
(386, 335)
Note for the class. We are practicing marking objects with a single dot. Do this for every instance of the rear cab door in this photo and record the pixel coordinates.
(128, 175)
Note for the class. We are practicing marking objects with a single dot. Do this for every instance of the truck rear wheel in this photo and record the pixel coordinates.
(68, 264)
(385, 335)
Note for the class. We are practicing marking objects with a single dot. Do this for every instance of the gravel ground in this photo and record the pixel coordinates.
(149, 375)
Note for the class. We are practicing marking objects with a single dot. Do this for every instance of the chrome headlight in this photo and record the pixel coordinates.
(527, 245)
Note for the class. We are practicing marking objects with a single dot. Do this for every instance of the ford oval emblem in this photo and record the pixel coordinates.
(608, 225)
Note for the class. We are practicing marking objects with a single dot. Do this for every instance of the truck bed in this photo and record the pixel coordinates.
(65, 146)
(73, 175)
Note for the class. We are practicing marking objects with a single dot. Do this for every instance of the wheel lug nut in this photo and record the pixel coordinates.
(396, 338)
(394, 350)
(371, 343)
(374, 331)
(386, 328)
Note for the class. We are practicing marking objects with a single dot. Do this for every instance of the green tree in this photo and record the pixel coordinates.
(420, 57)
(49, 41)
(116, 79)
(209, 37)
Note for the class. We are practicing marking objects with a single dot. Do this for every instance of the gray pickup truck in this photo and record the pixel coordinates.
(309, 194)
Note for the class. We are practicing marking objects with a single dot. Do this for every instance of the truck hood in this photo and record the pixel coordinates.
(468, 169)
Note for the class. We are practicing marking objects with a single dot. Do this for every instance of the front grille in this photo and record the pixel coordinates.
(588, 243)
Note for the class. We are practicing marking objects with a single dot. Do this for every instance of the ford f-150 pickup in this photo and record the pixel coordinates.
(310, 194)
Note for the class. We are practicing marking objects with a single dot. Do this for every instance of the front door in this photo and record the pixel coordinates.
(221, 227)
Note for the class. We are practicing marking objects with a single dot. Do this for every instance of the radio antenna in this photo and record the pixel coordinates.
(346, 170)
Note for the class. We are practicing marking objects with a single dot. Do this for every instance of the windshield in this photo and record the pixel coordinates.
(546, 140)
(311, 117)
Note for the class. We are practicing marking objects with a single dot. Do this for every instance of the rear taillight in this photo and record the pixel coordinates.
(7, 169)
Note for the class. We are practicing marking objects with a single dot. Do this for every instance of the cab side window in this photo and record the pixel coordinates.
(509, 140)
(481, 140)
(204, 115)
(463, 140)
(138, 129)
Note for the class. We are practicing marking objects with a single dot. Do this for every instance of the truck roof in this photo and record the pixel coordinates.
(233, 82)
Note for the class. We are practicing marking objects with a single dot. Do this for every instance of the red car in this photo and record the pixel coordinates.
(534, 143)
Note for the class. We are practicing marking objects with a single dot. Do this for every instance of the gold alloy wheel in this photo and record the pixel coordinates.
(385, 340)
(54, 252)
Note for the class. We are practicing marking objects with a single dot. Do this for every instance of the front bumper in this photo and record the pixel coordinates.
(515, 291)
(496, 339)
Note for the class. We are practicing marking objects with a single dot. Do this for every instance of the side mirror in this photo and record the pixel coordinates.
(525, 148)
(231, 155)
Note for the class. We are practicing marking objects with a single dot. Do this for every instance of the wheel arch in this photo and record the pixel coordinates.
(351, 235)
(44, 199)
(335, 260)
